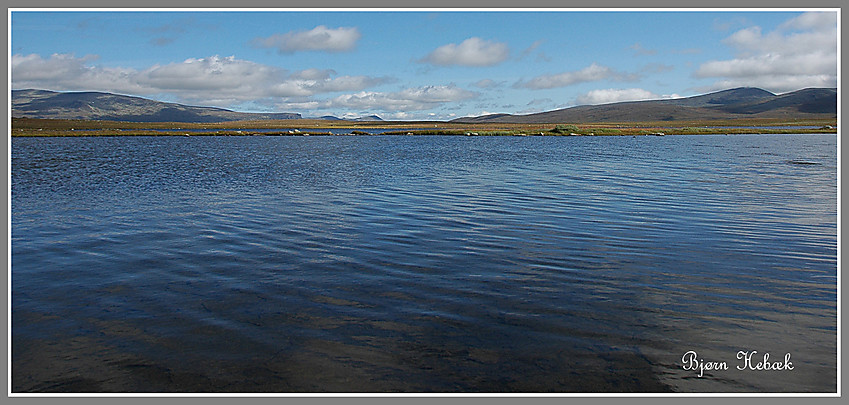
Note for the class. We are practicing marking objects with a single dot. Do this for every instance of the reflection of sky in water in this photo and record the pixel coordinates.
(421, 264)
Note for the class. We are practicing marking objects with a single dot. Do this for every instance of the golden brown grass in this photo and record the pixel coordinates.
(47, 127)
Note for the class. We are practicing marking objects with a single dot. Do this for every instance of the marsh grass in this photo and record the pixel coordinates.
(46, 127)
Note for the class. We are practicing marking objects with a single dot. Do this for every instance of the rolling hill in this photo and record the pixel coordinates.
(113, 107)
(744, 102)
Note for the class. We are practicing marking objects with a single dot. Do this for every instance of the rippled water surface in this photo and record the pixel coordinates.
(422, 264)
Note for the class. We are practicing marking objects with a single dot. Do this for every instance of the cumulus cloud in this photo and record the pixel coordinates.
(814, 20)
(67, 72)
(314, 74)
(471, 52)
(319, 38)
(604, 96)
(590, 73)
(409, 99)
(222, 79)
(348, 83)
(802, 52)
(209, 74)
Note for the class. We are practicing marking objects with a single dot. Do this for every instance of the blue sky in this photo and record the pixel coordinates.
(430, 64)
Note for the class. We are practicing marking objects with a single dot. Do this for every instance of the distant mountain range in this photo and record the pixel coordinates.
(744, 102)
(114, 107)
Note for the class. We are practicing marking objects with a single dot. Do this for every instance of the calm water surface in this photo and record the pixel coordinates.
(422, 264)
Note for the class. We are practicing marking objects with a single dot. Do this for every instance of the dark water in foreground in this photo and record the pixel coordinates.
(422, 264)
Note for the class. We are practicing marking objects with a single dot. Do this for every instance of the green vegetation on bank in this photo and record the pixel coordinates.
(47, 127)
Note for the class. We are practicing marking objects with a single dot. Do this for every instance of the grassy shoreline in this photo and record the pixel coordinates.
(29, 127)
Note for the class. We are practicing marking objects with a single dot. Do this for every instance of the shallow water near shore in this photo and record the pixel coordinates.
(422, 264)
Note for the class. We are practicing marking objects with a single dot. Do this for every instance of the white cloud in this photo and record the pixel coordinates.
(224, 80)
(437, 94)
(771, 64)
(67, 72)
(210, 74)
(811, 21)
(348, 83)
(774, 83)
(604, 96)
(410, 99)
(802, 52)
(591, 73)
(319, 38)
(314, 74)
(471, 52)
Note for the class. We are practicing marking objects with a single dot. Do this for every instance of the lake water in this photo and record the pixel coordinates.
(423, 264)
